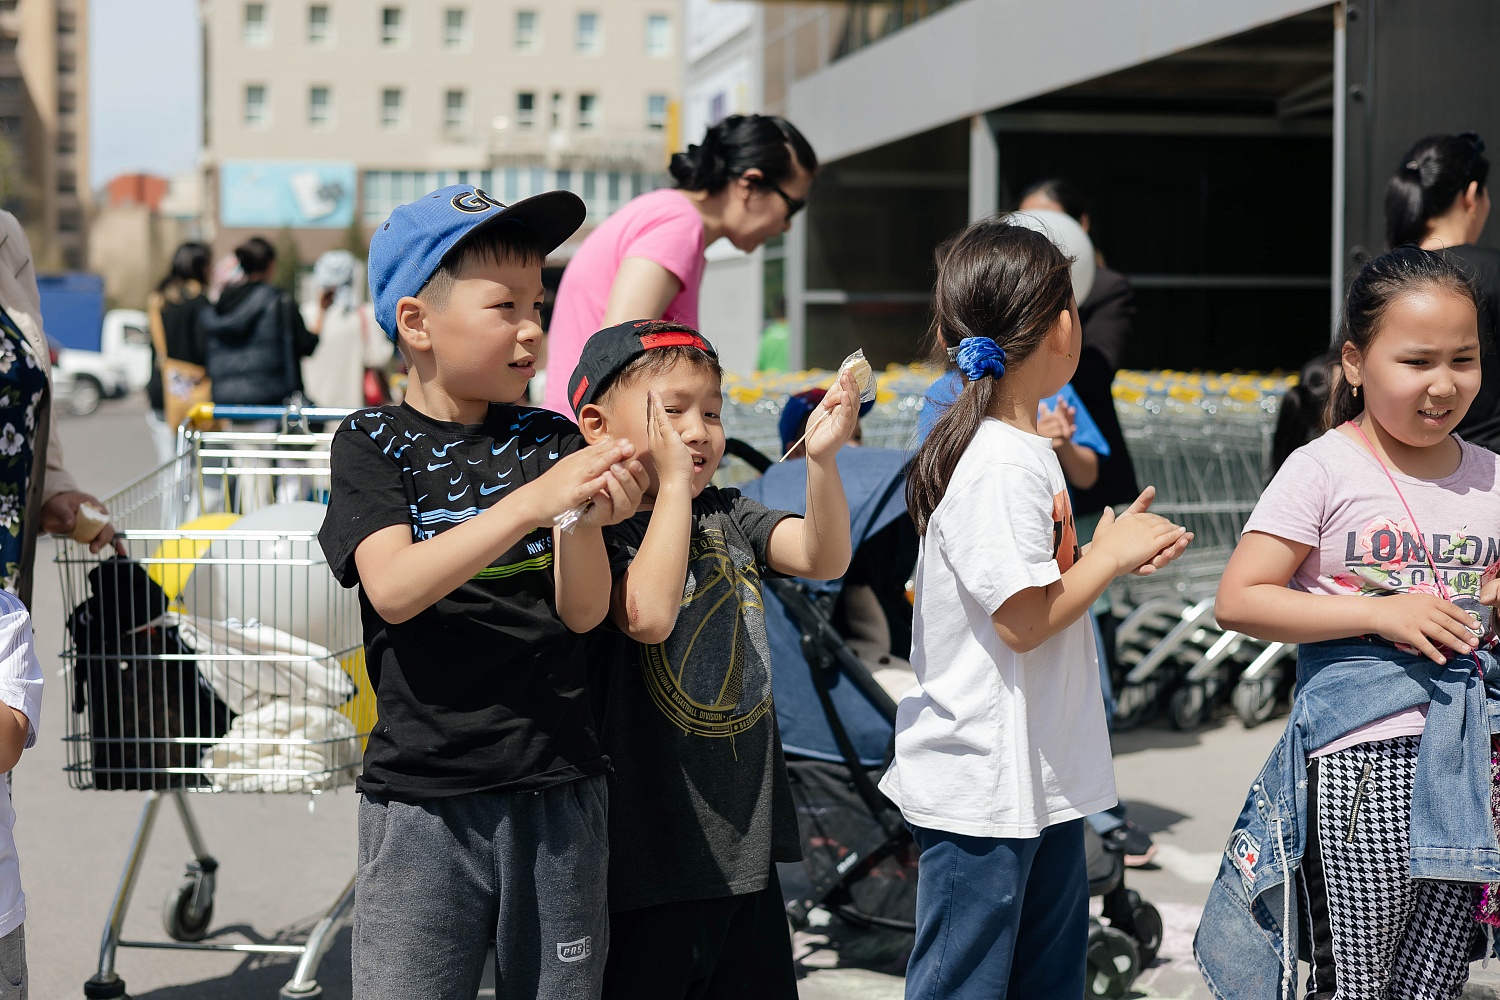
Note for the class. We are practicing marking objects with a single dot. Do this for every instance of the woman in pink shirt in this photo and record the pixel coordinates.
(744, 183)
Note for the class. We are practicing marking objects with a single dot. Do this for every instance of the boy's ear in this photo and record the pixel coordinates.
(411, 323)
(594, 423)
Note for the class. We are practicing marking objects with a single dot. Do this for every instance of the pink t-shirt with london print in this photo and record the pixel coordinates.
(662, 226)
(1333, 495)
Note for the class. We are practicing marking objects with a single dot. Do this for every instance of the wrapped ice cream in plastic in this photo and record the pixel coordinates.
(568, 519)
(864, 380)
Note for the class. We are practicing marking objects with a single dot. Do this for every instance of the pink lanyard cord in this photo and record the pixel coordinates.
(1436, 577)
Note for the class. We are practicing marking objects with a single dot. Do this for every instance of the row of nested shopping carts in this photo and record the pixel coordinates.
(1204, 441)
(217, 655)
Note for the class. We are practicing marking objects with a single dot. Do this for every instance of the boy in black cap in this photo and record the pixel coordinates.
(482, 822)
(700, 809)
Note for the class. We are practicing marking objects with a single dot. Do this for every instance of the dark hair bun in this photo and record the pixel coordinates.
(739, 143)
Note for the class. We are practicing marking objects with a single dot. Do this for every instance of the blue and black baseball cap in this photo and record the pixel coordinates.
(409, 246)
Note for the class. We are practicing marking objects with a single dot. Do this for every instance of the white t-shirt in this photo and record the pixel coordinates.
(20, 688)
(993, 743)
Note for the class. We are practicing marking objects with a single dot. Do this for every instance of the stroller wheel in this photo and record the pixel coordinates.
(1188, 706)
(1113, 962)
(1146, 921)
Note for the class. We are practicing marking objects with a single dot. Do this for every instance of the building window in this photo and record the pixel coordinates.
(7, 6)
(656, 111)
(67, 102)
(386, 189)
(319, 106)
(455, 111)
(392, 108)
(658, 35)
(588, 110)
(557, 111)
(525, 109)
(257, 29)
(392, 26)
(526, 33)
(590, 36)
(67, 62)
(319, 25)
(456, 28)
(67, 182)
(256, 113)
(67, 142)
(69, 220)
(67, 22)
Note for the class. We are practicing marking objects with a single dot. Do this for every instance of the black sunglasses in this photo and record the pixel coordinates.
(793, 205)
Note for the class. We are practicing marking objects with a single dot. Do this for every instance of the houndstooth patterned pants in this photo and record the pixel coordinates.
(1376, 933)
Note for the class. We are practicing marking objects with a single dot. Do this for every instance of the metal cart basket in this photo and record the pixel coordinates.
(219, 656)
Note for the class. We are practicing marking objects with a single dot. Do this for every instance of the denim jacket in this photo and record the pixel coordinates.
(1246, 942)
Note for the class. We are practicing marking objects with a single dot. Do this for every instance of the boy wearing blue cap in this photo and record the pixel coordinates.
(482, 817)
(701, 808)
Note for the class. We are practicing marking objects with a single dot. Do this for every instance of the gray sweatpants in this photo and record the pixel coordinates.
(442, 881)
(13, 978)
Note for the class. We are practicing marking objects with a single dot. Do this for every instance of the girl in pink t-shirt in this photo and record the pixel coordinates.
(1389, 504)
(744, 183)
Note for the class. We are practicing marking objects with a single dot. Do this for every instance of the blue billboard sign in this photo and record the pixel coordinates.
(272, 194)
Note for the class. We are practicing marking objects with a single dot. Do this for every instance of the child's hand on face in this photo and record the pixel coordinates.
(620, 497)
(574, 480)
(673, 460)
(833, 422)
(1136, 539)
(1057, 424)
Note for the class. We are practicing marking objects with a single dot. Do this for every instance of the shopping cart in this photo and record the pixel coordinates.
(1204, 441)
(219, 657)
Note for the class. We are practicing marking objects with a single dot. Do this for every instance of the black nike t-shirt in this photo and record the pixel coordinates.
(700, 806)
(484, 690)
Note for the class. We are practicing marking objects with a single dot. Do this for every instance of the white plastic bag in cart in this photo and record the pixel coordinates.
(300, 671)
(329, 754)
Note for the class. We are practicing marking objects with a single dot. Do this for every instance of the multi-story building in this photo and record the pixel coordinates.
(44, 122)
(321, 115)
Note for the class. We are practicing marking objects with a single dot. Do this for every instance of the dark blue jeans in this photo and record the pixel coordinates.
(1000, 918)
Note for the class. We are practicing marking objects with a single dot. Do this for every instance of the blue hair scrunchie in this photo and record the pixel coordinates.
(978, 357)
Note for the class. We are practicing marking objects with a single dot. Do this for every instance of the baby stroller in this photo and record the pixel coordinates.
(838, 723)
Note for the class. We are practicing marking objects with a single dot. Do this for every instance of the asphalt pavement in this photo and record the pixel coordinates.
(286, 858)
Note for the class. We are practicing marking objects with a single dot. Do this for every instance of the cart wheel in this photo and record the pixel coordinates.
(190, 907)
(112, 990)
(1188, 706)
(1148, 927)
(1113, 962)
(1255, 701)
(285, 994)
(1135, 704)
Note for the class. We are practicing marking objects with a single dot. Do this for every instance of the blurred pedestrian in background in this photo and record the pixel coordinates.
(178, 378)
(775, 342)
(1108, 315)
(1438, 199)
(347, 369)
(744, 182)
(255, 337)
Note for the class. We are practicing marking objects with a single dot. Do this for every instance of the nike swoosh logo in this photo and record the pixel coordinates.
(455, 480)
(486, 492)
(552, 455)
(544, 438)
(441, 465)
(443, 451)
(455, 496)
(497, 449)
(502, 475)
(522, 458)
(474, 461)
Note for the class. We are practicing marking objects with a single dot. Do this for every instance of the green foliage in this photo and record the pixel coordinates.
(288, 262)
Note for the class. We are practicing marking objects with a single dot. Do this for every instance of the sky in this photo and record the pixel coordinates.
(144, 87)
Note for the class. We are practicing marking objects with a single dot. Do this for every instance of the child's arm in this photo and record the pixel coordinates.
(580, 570)
(403, 578)
(1254, 599)
(14, 730)
(817, 546)
(1080, 465)
(20, 681)
(646, 597)
(1030, 617)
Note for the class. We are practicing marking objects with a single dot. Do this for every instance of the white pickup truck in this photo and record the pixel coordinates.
(80, 379)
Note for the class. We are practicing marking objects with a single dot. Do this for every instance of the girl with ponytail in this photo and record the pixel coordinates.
(1002, 749)
(744, 182)
(1438, 199)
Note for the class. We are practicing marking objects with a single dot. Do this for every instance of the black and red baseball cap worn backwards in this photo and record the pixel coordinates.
(607, 352)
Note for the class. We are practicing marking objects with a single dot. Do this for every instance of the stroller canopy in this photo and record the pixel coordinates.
(875, 485)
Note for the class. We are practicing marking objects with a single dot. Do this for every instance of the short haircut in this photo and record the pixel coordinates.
(655, 363)
(255, 255)
(499, 243)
